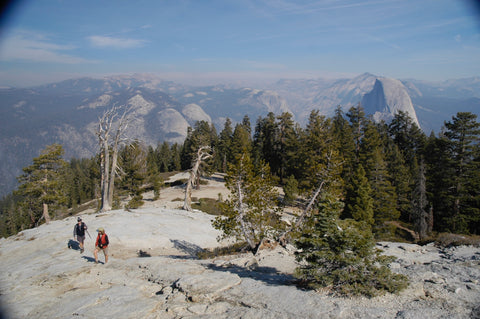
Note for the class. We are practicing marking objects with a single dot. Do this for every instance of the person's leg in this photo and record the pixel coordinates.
(105, 252)
(95, 253)
(82, 239)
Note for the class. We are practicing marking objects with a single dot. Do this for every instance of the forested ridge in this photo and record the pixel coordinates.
(386, 175)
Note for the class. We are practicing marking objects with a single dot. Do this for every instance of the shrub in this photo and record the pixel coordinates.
(449, 240)
(208, 205)
(340, 255)
(135, 202)
(237, 248)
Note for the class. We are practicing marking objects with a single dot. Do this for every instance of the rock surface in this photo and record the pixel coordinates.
(42, 278)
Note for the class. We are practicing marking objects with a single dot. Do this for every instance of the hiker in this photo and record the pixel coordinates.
(101, 244)
(79, 233)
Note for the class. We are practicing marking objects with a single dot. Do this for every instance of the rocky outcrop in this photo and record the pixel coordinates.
(194, 113)
(40, 277)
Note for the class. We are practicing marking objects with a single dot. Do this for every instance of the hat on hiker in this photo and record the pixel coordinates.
(79, 219)
(101, 230)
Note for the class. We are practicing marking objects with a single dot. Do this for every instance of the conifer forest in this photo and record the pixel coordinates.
(387, 176)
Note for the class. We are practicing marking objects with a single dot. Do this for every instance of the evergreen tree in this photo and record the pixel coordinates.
(163, 157)
(439, 174)
(359, 201)
(463, 134)
(287, 146)
(315, 150)
(356, 115)
(290, 189)
(407, 136)
(384, 197)
(265, 140)
(133, 160)
(224, 152)
(344, 140)
(41, 184)
(153, 178)
(250, 212)
(80, 181)
(202, 135)
(175, 159)
(401, 179)
(419, 202)
(340, 255)
(372, 158)
(241, 141)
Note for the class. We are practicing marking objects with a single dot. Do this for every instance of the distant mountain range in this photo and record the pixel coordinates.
(67, 112)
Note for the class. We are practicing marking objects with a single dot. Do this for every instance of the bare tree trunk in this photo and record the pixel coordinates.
(187, 204)
(105, 164)
(113, 169)
(241, 217)
(202, 155)
(430, 220)
(298, 224)
(45, 213)
(108, 162)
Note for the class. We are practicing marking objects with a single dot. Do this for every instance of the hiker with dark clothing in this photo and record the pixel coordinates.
(101, 244)
(79, 233)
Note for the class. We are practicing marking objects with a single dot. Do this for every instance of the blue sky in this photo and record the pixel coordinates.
(209, 41)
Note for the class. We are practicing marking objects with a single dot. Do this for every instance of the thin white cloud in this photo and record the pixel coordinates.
(36, 47)
(112, 42)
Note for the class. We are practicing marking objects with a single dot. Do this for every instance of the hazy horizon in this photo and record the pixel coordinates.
(205, 42)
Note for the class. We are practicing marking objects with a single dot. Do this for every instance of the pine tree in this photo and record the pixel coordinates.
(224, 153)
(343, 138)
(357, 119)
(265, 140)
(250, 212)
(203, 134)
(290, 189)
(41, 184)
(315, 150)
(163, 157)
(439, 174)
(241, 142)
(463, 134)
(133, 160)
(384, 197)
(401, 179)
(407, 136)
(359, 201)
(372, 158)
(287, 146)
(175, 160)
(153, 178)
(419, 202)
(340, 255)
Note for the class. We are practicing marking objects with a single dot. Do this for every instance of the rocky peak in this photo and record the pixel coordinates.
(388, 97)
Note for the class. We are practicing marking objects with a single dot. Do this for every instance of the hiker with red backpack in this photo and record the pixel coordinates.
(101, 244)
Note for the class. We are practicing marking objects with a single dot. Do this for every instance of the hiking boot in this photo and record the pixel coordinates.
(81, 251)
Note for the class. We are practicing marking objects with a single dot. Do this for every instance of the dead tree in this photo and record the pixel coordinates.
(283, 237)
(111, 134)
(326, 176)
(421, 216)
(202, 155)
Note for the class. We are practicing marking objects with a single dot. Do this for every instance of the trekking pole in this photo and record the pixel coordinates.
(88, 234)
